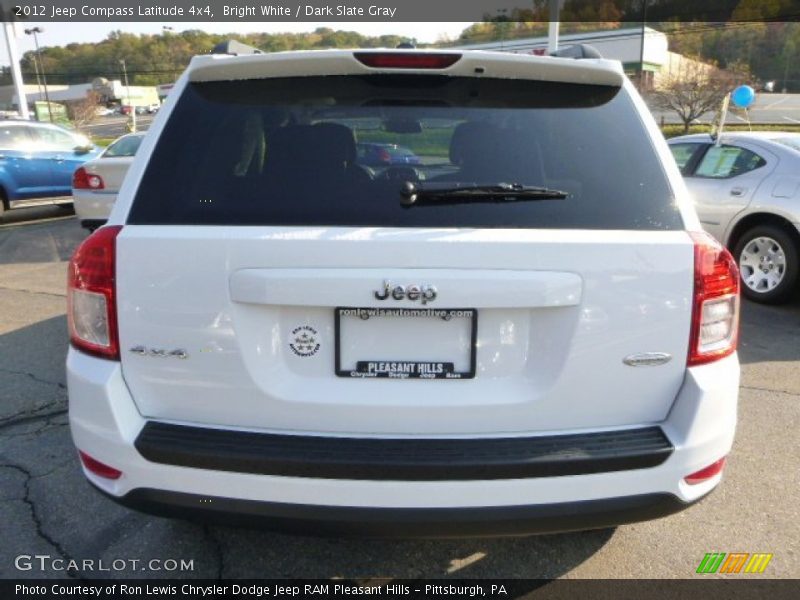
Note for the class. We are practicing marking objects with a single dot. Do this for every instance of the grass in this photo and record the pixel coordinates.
(103, 141)
(430, 142)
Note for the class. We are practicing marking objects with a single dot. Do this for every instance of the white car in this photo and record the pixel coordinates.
(96, 183)
(746, 189)
(526, 332)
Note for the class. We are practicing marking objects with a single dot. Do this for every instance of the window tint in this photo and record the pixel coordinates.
(51, 138)
(14, 137)
(728, 161)
(683, 153)
(125, 146)
(304, 151)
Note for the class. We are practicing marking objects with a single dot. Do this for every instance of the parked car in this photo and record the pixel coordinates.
(96, 183)
(378, 155)
(104, 111)
(535, 337)
(153, 108)
(747, 193)
(126, 110)
(37, 161)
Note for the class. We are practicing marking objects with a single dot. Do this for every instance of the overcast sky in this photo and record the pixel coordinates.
(61, 34)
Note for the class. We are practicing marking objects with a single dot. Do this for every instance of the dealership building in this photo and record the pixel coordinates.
(109, 92)
(643, 52)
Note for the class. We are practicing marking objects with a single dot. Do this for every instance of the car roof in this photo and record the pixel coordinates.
(472, 63)
(735, 135)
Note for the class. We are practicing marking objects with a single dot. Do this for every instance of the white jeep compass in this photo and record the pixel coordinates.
(524, 331)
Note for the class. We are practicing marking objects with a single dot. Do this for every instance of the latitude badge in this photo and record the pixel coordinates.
(304, 341)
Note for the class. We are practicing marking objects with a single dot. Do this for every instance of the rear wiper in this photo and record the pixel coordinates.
(455, 193)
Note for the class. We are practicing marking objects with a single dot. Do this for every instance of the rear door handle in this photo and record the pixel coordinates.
(738, 191)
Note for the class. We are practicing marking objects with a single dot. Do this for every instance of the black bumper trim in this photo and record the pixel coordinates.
(93, 223)
(405, 522)
(398, 459)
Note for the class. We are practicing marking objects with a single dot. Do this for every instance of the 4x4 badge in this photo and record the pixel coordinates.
(160, 352)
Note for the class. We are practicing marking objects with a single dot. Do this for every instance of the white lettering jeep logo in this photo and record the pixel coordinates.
(414, 292)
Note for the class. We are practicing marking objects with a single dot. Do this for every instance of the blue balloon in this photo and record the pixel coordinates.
(743, 96)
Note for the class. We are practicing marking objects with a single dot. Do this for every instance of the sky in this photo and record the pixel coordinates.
(61, 34)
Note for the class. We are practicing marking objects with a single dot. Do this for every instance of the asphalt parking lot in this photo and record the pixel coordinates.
(47, 508)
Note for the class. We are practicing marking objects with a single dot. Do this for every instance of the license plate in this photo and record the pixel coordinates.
(406, 343)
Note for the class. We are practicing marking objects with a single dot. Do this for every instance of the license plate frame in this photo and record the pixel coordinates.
(420, 369)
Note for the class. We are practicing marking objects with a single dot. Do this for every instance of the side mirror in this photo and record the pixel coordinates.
(83, 149)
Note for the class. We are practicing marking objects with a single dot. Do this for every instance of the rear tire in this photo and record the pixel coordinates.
(769, 263)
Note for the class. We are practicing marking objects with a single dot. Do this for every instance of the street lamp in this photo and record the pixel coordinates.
(38, 79)
(128, 88)
(34, 31)
(502, 18)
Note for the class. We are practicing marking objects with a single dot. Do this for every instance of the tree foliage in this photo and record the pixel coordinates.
(156, 59)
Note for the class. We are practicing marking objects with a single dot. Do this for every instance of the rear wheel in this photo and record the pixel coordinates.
(768, 261)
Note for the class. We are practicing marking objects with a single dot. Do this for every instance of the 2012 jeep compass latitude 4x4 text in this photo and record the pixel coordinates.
(524, 332)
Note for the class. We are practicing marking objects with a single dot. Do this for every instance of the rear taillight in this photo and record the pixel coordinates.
(715, 310)
(91, 295)
(706, 473)
(100, 469)
(83, 180)
(407, 60)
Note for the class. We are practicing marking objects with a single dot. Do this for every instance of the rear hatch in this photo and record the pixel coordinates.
(268, 281)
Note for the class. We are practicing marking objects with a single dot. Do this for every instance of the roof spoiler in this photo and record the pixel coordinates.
(577, 51)
(235, 48)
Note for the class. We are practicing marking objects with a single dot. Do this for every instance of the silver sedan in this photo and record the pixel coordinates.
(96, 183)
(747, 192)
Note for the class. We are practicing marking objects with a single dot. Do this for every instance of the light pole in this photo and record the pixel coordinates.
(36, 71)
(16, 73)
(642, 78)
(34, 31)
(502, 17)
(128, 88)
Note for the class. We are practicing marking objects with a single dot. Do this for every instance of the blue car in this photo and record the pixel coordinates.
(37, 161)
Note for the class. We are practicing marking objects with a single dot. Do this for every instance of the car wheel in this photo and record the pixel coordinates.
(768, 262)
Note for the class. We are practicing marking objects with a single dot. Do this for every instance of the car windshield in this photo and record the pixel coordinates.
(124, 146)
(306, 151)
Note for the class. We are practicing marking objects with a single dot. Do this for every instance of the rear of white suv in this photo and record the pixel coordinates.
(520, 334)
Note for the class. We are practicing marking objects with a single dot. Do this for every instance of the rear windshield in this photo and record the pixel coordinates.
(124, 146)
(293, 152)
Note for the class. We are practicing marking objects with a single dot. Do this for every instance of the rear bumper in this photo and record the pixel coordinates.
(313, 519)
(93, 206)
(106, 424)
